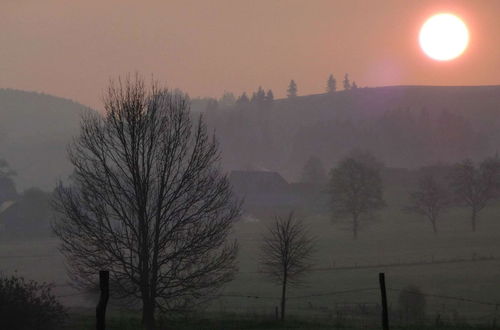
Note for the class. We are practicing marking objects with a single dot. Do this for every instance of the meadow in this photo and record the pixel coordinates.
(462, 287)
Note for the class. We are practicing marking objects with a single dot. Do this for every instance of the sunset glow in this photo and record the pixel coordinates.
(444, 37)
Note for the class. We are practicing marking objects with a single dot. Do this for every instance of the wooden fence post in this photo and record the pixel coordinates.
(103, 300)
(494, 325)
(385, 314)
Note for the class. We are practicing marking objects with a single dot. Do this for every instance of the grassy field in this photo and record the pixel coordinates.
(246, 322)
(341, 291)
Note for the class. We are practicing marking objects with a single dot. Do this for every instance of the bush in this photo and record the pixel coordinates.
(28, 305)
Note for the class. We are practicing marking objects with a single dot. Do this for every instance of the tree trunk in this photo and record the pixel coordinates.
(473, 220)
(148, 313)
(283, 297)
(355, 227)
(434, 227)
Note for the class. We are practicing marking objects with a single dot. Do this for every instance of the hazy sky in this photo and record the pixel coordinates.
(72, 48)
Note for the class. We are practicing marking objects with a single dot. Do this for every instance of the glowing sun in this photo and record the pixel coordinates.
(444, 37)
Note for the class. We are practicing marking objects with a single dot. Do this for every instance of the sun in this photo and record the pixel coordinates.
(444, 37)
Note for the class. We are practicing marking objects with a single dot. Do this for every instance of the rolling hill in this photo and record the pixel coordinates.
(404, 126)
(34, 131)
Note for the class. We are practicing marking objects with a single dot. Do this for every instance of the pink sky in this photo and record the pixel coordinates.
(72, 48)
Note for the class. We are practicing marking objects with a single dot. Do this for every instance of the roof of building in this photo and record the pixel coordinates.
(248, 182)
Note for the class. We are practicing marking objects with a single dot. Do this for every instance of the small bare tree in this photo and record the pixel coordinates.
(147, 202)
(430, 199)
(356, 189)
(474, 186)
(286, 254)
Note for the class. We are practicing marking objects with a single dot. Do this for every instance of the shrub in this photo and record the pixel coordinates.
(28, 305)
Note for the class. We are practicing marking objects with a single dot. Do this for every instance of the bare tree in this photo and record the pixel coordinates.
(476, 186)
(356, 190)
(430, 199)
(286, 254)
(147, 202)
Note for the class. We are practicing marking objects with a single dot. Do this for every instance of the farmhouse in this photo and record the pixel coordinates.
(268, 193)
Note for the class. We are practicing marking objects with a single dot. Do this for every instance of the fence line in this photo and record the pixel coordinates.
(327, 294)
(334, 293)
(462, 299)
(351, 311)
(70, 295)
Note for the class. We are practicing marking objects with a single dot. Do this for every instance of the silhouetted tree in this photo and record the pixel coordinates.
(243, 99)
(286, 254)
(292, 89)
(180, 92)
(147, 202)
(331, 84)
(227, 100)
(29, 305)
(258, 97)
(346, 83)
(356, 189)
(212, 107)
(475, 186)
(269, 96)
(314, 171)
(354, 85)
(430, 199)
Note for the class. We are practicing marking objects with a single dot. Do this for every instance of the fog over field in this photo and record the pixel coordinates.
(249, 165)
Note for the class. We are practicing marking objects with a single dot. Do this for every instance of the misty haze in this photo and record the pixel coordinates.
(267, 164)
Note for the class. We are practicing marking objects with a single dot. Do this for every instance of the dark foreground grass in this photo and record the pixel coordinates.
(79, 322)
(133, 323)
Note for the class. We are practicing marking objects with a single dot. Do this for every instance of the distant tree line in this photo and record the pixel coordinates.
(260, 97)
(356, 188)
(466, 184)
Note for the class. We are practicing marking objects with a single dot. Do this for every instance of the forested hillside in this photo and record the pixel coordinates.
(404, 126)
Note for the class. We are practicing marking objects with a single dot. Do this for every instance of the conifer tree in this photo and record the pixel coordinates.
(292, 89)
(346, 82)
(269, 96)
(331, 85)
(259, 96)
(243, 99)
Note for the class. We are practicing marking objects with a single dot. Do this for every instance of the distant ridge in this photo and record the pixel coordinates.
(34, 131)
(464, 121)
